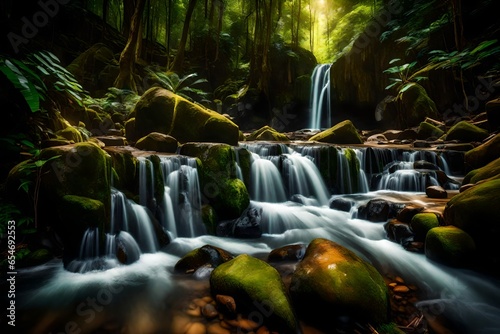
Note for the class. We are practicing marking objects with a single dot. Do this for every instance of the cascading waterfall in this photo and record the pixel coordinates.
(266, 183)
(467, 297)
(320, 97)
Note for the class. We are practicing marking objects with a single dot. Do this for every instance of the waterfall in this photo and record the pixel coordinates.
(266, 183)
(320, 97)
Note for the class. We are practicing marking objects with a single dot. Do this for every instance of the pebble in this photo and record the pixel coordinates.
(228, 303)
(216, 328)
(401, 289)
(193, 310)
(209, 311)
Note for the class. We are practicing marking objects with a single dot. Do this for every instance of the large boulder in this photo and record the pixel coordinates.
(160, 110)
(476, 211)
(491, 170)
(226, 193)
(466, 132)
(158, 142)
(342, 133)
(333, 278)
(255, 287)
(484, 153)
(421, 223)
(450, 245)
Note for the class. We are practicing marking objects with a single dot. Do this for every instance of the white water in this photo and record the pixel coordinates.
(320, 96)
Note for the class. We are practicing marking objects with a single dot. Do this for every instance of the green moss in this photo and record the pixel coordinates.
(491, 170)
(428, 130)
(70, 133)
(158, 142)
(209, 217)
(328, 160)
(416, 106)
(267, 133)
(332, 277)
(342, 133)
(390, 328)
(466, 132)
(244, 158)
(255, 286)
(421, 223)
(449, 245)
(354, 170)
(234, 199)
(154, 112)
(484, 153)
(125, 165)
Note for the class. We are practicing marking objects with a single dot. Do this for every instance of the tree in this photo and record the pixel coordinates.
(128, 56)
(179, 57)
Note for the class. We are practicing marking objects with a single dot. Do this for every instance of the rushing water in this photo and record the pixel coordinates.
(138, 295)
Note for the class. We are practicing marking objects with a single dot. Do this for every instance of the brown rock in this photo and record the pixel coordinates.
(227, 303)
(209, 311)
(436, 192)
(196, 328)
(401, 289)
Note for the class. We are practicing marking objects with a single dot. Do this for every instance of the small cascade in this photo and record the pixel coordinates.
(146, 181)
(89, 247)
(182, 203)
(266, 183)
(320, 97)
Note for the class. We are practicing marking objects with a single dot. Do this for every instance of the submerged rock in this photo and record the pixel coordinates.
(342, 133)
(256, 287)
(333, 278)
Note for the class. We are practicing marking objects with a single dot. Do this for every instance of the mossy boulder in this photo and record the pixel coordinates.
(476, 211)
(449, 245)
(125, 165)
(267, 133)
(206, 255)
(71, 134)
(466, 132)
(158, 142)
(484, 153)
(421, 223)
(427, 130)
(342, 133)
(416, 106)
(332, 277)
(160, 110)
(256, 287)
(226, 193)
(491, 170)
(77, 214)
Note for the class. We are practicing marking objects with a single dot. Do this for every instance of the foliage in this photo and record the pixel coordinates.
(185, 86)
(9, 211)
(115, 100)
(404, 77)
(37, 75)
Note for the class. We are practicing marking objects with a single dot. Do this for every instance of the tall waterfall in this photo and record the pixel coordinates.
(320, 97)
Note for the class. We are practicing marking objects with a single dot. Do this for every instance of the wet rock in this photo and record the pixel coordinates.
(199, 257)
(256, 287)
(227, 304)
(209, 311)
(333, 278)
(450, 245)
(379, 210)
(113, 140)
(491, 170)
(398, 232)
(427, 130)
(341, 204)
(342, 133)
(421, 144)
(287, 253)
(247, 226)
(436, 192)
(407, 213)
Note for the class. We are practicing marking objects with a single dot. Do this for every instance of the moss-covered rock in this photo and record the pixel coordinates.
(71, 134)
(466, 132)
(449, 245)
(76, 215)
(491, 170)
(476, 211)
(205, 255)
(427, 130)
(227, 194)
(421, 223)
(256, 287)
(267, 133)
(130, 132)
(125, 165)
(342, 133)
(158, 142)
(160, 110)
(333, 278)
(484, 153)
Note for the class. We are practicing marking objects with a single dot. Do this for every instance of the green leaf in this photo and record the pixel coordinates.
(25, 186)
(392, 61)
(391, 85)
(483, 45)
(406, 87)
(21, 83)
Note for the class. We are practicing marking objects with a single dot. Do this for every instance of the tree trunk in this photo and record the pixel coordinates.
(179, 57)
(128, 56)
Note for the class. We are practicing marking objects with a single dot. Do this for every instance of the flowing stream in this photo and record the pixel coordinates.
(288, 183)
